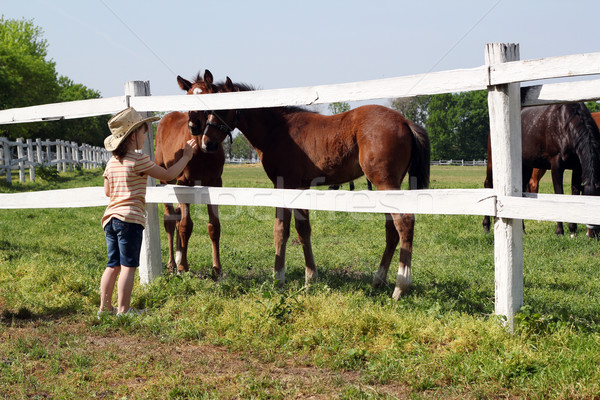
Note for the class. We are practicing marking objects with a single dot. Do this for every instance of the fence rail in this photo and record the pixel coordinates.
(20, 155)
(464, 163)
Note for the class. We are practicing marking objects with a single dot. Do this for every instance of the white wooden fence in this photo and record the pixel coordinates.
(19, 155)
(462, 163)
(501, 76)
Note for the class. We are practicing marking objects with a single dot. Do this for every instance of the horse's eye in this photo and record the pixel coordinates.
(190, 124)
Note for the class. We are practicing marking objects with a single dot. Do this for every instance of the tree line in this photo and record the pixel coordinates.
(28, 78)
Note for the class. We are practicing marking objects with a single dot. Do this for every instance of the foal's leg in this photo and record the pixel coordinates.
(281, 233)
(170, 219)
(405, 224)
(303, 229)
(186, 226)
(214, 232)
(391, 242)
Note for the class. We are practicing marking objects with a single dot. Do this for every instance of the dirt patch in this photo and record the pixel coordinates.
(142, 367)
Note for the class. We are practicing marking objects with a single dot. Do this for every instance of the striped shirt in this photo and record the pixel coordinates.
(127, 181)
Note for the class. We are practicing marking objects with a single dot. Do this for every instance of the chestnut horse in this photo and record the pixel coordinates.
(558, 137)
(204, 168)
(534, 183)
(300, 149)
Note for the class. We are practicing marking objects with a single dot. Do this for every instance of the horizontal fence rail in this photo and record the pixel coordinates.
(64, 155)
(542, 207)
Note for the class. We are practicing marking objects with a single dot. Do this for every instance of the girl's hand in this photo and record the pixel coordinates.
(188, 150)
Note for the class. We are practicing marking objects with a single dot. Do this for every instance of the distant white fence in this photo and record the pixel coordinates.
(464, 163)
(500, 76)
(19, 155)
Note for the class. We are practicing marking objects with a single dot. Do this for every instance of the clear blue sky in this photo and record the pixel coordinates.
(279, 44)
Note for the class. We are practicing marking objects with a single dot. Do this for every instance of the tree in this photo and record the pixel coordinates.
(241, 148)
(593, 106)
(27, 78)
(458, 125)
(338, 108)
(413, 108)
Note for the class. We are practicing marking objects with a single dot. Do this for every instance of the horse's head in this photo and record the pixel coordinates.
(219, 124)
(197, 119)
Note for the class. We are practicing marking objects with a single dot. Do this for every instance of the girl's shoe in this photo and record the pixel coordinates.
(105, 313)
(131, 313)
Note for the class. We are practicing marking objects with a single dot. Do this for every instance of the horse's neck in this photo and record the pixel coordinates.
(254, 125)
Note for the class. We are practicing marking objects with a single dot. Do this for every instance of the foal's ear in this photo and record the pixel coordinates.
(208, 77)
(229, 85)
(183, 83)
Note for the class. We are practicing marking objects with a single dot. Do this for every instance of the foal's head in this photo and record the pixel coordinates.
(219, 124)
(197, 119)
(213, 126)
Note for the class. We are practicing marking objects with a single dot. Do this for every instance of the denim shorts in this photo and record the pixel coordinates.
(123, 243)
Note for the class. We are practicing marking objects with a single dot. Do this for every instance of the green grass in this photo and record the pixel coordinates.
(439, 341)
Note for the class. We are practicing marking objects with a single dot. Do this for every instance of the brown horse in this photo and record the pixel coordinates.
(300, 149)
(204, 168)
(558, 137)
(534, 183)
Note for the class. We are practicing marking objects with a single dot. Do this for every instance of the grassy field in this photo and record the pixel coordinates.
(244, 338)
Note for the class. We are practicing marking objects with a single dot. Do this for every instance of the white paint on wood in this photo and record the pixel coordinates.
(505, 127)
(568, 92)
(545, 68)
(544, 207)
(66, 110)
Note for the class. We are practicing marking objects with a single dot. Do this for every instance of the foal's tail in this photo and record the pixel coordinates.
(418, 171)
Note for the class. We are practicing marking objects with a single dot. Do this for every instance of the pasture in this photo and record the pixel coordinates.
(242, 337)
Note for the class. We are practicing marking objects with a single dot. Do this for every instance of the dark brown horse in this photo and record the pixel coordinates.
(558, 137)
(300, 149)
(204, 168)
(534, 183)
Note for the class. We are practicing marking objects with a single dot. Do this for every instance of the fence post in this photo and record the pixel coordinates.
(30, 160)
(505, 125)
(6, 159)
(20, 158)
(38, 151)
(150, 257)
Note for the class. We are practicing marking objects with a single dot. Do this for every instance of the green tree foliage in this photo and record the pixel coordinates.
(457, 123)
(241, 147)
(413, 108)
(593, 106)
(28, 78)
(338, 108)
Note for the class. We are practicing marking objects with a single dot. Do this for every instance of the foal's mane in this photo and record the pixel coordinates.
(244, 87)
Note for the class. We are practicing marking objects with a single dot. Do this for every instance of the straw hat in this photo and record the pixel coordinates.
(122, 124)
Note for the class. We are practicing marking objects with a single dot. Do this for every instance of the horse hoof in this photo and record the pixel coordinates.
(182, 269)
(171, 268)
(216, 273)
(279, 278)
(310, 277)
(400, 289)
(379, 280)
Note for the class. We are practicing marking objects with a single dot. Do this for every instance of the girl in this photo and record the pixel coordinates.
(125, 180)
